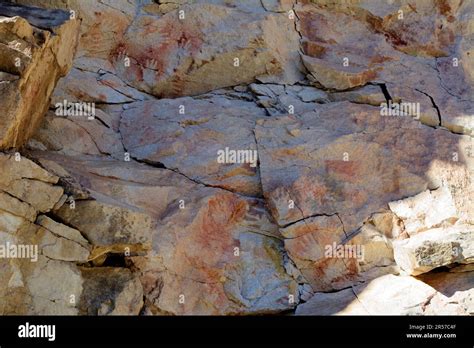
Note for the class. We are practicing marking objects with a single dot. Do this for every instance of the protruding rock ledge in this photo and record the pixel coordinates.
(39, 57)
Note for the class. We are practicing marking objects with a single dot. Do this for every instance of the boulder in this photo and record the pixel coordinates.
(435, 248)
(36, 48)
(434, 294)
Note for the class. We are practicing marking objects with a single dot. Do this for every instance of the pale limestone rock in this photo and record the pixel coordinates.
(29, 183)
(369, 94)
(87, 86)
(377, 248)
(334, 303)
(343, 166)
(193, 250)
(44, 55)
(10, 223)
(177, 57)
(59, 248)
(187, 57)
(105, 224)
(426, 210)
(76, 135)
(430, 294)
(348, 159)
(61, 230)
(15, 206)
(23, 169)
(435, 248)
(307, 242)
(189, 142)
(414, 56)
(51, 293)
(387, 223)
(455, 292)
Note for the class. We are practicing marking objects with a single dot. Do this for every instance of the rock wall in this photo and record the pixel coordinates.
(237, 157)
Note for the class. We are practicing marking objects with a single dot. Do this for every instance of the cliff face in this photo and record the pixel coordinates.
(237, 157)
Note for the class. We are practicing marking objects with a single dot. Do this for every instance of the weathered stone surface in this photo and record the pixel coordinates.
(61, 230)
(51, 294)
(58, 248)
(281, 100)
(306, 243)
(28, 182)
(76, 135)
(426, 210)
(345, 158)
(193, 250)
(333, 303)
(377, 249)
(455, 292)
(124, 295)
(417, 53)
(16, 207)
(434, 294)
(37, 57)
(92, 86)
(135, 209)
(176, 57)
(435, 248)
(157, 131)
(105, 224)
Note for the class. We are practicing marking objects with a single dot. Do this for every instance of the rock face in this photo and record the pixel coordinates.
(395, 44)
(230, 158)
(209, 251)
(438, 294)
(435, 248)
(52, 252)
(33, 56)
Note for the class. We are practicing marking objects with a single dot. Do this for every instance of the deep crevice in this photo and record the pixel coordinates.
(434, 105)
